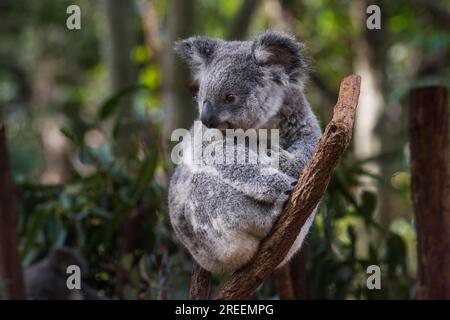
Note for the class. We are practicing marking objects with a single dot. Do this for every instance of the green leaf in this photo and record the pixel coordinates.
(110, 105)
(70, 135)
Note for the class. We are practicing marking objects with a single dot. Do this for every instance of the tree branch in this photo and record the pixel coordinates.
(283, 283)
(200, 281)
(306, 195)
(299, 274)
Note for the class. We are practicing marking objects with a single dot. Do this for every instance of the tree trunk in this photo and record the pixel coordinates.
(428, 129)
(299, 272)
(241, 21)
(180, 110)
(119, 41)
(10, 266)
(283, 283)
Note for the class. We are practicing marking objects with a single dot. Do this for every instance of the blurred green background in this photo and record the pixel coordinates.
(89, 113)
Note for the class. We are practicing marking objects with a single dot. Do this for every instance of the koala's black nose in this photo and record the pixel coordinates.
(208, 116)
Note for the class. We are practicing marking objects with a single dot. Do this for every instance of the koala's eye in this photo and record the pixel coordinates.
(229, 98)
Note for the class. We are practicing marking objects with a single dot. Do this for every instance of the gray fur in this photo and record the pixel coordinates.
(222, 212)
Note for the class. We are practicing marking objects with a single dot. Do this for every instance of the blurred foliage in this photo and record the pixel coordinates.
(50, 74)
(336, 270)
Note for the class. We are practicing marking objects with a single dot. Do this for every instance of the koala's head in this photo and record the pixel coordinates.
(242, 84)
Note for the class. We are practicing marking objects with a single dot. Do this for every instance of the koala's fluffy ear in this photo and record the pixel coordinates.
(197, 51)
(280, 49)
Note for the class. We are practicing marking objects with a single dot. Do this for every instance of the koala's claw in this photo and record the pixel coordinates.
(284, 197)
(287, 193)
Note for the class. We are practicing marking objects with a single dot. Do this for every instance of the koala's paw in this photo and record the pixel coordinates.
(284, 196)
(285, 188)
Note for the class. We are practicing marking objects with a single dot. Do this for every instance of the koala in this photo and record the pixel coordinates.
(221, 212)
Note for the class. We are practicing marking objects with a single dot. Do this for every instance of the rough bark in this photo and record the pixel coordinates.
(10, 267)
(200, 282)
(305, 196)
(428, 129)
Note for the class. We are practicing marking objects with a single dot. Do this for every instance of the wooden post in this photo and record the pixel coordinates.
(10, 267)
(428, 130)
